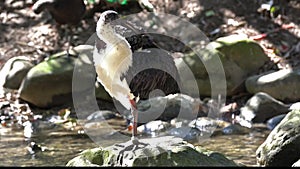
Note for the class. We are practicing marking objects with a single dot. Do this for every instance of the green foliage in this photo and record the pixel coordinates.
(122, 2)
(274, 10)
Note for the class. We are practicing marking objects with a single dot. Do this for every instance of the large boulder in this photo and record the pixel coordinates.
(160, 151)
(282, 84)
(239, 57)
(282, 146)
(50, 83)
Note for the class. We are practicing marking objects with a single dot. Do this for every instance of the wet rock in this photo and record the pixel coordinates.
(14, 71)
(101, 115)
(160, 151)
(282, 146)
(260, 108)
(235, 129)
(282, 84)
(239, 57)
(204, 124)
(154, 128)
(272, 123)
(190, 134)
(193, 130)
(178, 122)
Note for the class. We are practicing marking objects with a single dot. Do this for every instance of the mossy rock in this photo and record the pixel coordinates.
(161, 151)
(224, 63)
(54, 81)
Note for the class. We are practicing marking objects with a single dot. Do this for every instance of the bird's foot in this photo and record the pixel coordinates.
(136, 141)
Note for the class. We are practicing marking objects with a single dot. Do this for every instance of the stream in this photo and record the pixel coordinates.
(59, 145)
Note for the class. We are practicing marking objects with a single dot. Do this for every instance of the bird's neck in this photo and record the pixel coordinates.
(108, 35)
(116, 58)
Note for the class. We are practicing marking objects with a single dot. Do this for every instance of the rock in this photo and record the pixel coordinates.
(260, 108)
(235, 129)
(160, 151)
(245, 53)
(50, 82)
(54, 81)
(153, 128)
(204, 124)
(14, 71)
(168, 107)
(101, 115)
(190, 134)
(101, 93)
(240, 57)
(295, 106)
(272, 123)
(282, 84)
(282, 146)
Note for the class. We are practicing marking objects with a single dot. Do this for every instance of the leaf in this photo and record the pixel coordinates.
(123, 2)
(274, 9)
(209, 13)
(112, 1)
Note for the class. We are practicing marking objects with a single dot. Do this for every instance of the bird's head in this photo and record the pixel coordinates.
(108, 16)
(104, 28)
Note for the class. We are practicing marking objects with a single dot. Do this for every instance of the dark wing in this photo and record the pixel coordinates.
(152, 40)
(138, 38)
(150, 70)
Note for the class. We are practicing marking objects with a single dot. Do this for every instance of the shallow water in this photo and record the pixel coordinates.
(61, 145)
(240, 148)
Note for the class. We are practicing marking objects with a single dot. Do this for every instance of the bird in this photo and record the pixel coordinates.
(119, 66)
(66, 13)
(62, 11)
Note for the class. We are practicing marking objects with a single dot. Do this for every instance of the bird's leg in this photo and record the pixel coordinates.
(134, 113)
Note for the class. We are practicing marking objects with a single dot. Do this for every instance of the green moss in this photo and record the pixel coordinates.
(246, 53)
(95, 156)
(54, 65)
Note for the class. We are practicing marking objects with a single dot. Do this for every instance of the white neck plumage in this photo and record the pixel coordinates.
(112, 62)
(117, 54)
(107, 33)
